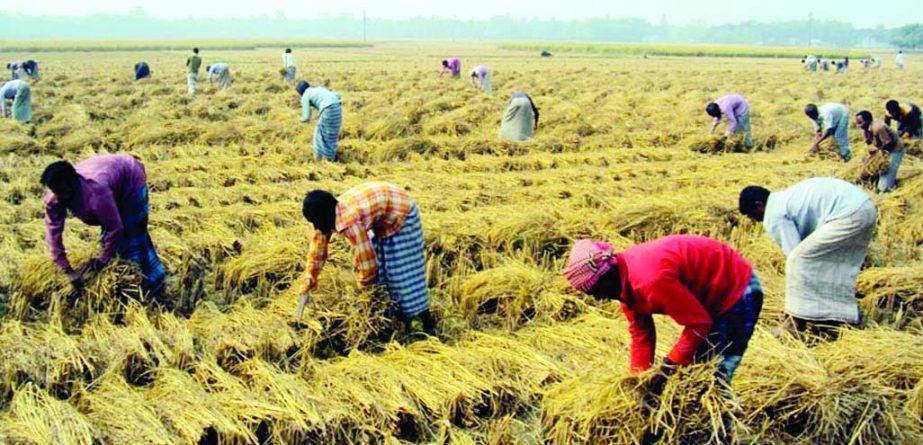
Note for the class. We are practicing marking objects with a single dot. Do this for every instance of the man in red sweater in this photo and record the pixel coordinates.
(701, 283)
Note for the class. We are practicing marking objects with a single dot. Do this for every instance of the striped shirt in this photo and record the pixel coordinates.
(378, 208)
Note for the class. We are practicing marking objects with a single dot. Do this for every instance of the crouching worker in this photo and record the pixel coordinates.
(701, 283)
(221, 73)
(109, 191)
(329, 118)
(736, 110)
(879, 136)
(18, 93)
(383, 225)
(142, 70)
(521, 118)
(824, 227)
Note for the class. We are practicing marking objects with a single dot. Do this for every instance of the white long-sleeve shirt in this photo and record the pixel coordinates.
(8, 92)
(796, 212)
(288, 59)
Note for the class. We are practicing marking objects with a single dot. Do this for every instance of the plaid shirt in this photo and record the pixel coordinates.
(373, 207)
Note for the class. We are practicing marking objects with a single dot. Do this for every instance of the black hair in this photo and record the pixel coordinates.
(893, 107)
(866, 115)
(749, 196)
(302, 86)
(208, 68)
(713, 110)
(59, 173)
(319, 208)
(445, 63)
(811, 111)
(288, 50)
(195, 50)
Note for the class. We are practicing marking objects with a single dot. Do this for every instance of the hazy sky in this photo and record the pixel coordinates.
(891, 13)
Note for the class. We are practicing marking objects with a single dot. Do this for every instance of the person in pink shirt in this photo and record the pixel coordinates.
(736, 110)
(451, 64)
(109, 191)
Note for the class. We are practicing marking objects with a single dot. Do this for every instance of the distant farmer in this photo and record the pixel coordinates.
(288, 64)
(221, 73)
(876, 63)
(109, 191)
(21, 70)
(701, 283)
(453, 65)
(737, 111)
(900, 59)
(19, 96)
(142, 70)
(841, 67)
(521, 118)
(810, 63)
(480, 76)
(825, 65)
(329, 118)
(824, 227)
(193, 63)
(830, 120)
(881, 137)
(382, 223)
(907, 115)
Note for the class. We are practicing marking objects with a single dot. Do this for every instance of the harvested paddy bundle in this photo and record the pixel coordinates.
(124, 414)
(391, 126)
(221, 134)
(241, 333)
(714, 143)
(915, 401)
(166, 132)
(891, 293)
(881, 357)
(403, 149)
(602, 409)
(829, 149)
(15, 138)
(34, 417)
(913, 147)
(43, 356)
(350, 319)
(233, 398)
(867, 168)
(267, 262)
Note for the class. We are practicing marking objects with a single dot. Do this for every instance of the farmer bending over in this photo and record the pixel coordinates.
(907, 115)
(736, 110)
(830, 120)
(329, 118)
(879, 136)
(453, 65)
(382, 223)
(109, 191)
(824, 227)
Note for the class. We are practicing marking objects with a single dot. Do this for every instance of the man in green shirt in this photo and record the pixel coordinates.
(193, 64)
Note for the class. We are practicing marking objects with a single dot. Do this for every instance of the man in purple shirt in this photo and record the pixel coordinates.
(480, 76)
(451, 64)
(109, 191)
(737, 111)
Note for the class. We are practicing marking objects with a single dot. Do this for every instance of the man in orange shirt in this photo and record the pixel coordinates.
(383, 225)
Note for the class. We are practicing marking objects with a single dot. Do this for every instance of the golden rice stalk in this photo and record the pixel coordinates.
(913, 147)
(45, 356)
(302, 411)
(891, 292)
(867, 168)
(36, 418)
(188, 410)
(880, 357)
(124, 414)
(915, 401)
(233, 396)
(242, 332)
(714, 143)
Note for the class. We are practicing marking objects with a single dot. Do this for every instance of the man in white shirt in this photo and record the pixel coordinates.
(824, 227)
(288, 65)
(830, 120)
(899, 59)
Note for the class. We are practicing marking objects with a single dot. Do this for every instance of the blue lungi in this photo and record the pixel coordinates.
(290, 73)
(327, 131)
(402, 267)
(730, 334)
(136, 245)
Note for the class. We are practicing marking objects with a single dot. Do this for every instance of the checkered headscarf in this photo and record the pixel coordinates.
(588, 261)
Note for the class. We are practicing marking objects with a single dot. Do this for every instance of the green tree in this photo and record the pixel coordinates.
(910, 36)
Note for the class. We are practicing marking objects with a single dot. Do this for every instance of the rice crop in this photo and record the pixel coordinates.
(622, 153)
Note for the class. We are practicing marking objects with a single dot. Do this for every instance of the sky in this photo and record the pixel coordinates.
(678, 12)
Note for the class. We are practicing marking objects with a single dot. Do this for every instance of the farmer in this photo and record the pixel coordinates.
(288, 63)
(737, 111)
(810, 63)
(193, 63)
(701, 283)
(16, 70)
(830, 120)
(142, 70)
(521, 118)
(907, 115)
(220, 72)
(881, 137)
(21, 70)
(900, 60)
(20, 96)
(382, 223)
(480, 76)
(329, 119)
(824, 226)
(452, 64)
(109, 191)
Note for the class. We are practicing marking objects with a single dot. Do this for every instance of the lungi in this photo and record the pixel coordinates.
(841, 135)
(136, 245)
(743, 127)
(888, 179)
(519, 121)
(290, 73)
(402, 267)
(821, 271)
(327, 131)
(224, 79)
(193, 80)
(486, 83)
(22, 103)
(731, 332)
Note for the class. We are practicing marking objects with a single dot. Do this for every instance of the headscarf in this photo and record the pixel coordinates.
(589, 260)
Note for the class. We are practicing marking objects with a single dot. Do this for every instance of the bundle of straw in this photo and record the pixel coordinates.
(34, 417)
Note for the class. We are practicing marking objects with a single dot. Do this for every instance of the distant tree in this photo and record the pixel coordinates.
(910, 36)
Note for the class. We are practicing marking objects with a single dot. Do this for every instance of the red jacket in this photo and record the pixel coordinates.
(692, 279)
